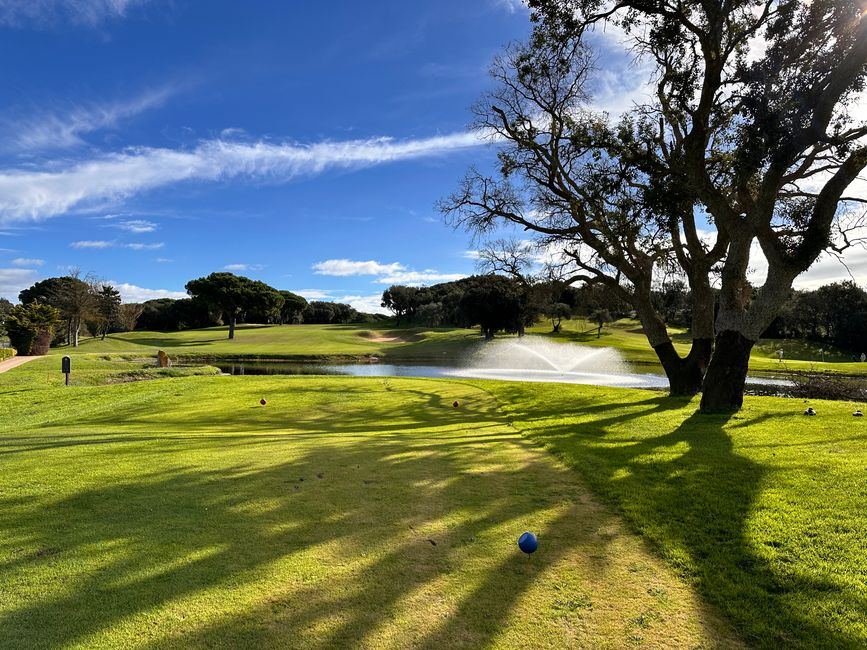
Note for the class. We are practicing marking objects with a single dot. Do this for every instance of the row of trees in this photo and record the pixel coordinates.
(499, 303)
(87, 305)
(745, 139)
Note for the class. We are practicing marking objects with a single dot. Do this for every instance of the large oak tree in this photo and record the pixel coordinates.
(747, 133)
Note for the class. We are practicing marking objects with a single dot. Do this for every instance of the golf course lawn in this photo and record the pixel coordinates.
(346, 512)
(432, 344)
(180, 512)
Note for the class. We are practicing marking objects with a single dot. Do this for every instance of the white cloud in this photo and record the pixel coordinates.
(45, 130)
(133, 293)
(92, 244)
(511, 6)
(102, 244)
(163, 260)
(136, 226)
(350, 267)
(420, 277)
(27, 261)
(244, 267)
(371, 304)
(12, 281)
(81, 12)
(313, 294)
(26, 194)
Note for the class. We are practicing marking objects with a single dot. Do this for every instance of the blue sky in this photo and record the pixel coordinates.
(150, 142)
(305, 144)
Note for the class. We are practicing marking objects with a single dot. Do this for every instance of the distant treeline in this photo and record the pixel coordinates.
(834, 313)
(497, 303)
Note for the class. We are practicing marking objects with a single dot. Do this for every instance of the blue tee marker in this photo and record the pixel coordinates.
(528, 543)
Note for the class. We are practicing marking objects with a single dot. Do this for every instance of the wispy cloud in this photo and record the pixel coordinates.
(371, 304)
(62, 129)
(27, 261)
(243, 267)
(510, 6)
(34, 195)
(91, 243)
(427, 276)
(133, 293)
(314, 294)
(136, 226)
(101, 244)
(81, 12)
(12, 281)
(350, 267)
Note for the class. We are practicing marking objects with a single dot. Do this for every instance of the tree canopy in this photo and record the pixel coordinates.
(745, 135)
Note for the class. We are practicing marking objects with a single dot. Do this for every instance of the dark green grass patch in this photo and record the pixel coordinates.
(765, 510)
(345, 512)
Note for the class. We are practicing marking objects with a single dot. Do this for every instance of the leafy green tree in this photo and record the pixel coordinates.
(494, 303)
(107, 309)
(70, 294)
(293, 307)
(5, 308)
(233, 295)
(556, 312)
(401, 300)
(749, 122)
(600, 317)
(31, 326)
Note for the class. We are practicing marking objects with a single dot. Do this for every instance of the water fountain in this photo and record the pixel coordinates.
(537, 359)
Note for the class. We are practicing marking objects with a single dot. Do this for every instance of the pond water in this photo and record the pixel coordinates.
(529, 359)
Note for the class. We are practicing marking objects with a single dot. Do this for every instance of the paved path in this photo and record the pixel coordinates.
(14, 362)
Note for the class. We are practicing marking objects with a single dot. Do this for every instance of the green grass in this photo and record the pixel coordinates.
(346, 513)
(627, 336)
(323, 342)
(764, 511)
(288, 342)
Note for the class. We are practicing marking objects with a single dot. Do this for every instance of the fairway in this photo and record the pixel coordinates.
(446, 345)
(345, 512)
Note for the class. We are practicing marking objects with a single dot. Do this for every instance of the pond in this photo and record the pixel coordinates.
(765, 385)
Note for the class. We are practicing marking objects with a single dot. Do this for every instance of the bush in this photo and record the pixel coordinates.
(30, 327)
(6, 353)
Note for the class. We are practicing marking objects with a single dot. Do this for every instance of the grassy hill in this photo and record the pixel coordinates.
(309, 342)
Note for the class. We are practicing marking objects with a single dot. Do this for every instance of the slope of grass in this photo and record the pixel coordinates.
(764, 510)
(287, 342)
(345, 513)
(627, 336)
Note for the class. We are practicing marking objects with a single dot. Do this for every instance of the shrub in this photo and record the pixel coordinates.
(6, 353)
(30, 327)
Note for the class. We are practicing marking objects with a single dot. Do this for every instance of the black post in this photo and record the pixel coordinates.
(66, 367)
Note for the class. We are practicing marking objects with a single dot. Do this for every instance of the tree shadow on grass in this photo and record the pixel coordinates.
(692, 495)
(290, 539)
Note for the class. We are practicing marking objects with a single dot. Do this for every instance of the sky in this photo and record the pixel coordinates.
(149, 142)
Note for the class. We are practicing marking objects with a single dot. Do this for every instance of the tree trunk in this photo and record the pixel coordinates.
(685, 376)
(599, 332)
(232, 321)
(727, 373)
(76, 328)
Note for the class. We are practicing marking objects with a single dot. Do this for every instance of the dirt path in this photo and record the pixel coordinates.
(14, 362)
